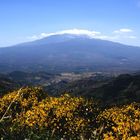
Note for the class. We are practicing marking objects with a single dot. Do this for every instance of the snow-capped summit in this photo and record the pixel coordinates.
(70, 32)
(70, 50)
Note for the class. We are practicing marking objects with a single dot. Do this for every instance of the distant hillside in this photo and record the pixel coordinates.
(109, 89)
(18, 79)
(69, 53)
(6, 85)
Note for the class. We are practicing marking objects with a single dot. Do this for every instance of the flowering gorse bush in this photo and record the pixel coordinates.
(30, 113)
(122, 123)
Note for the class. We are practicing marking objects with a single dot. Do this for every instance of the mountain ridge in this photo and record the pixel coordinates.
(59, 53)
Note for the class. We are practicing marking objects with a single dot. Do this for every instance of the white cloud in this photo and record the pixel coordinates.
(132, 37)
(72, 31)
(123, 35)
(123, 30)
(79, 32)
(34, 37)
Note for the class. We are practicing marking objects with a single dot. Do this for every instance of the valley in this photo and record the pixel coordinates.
(108, 88)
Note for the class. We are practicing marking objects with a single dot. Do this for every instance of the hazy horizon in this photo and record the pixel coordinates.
(23, 21)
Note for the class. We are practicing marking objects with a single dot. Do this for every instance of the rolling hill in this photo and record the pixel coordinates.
(109, 89)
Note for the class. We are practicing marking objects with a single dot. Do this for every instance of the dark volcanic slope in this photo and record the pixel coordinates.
(17, 79)
(109, 90)
(60, 53)
(6, 85)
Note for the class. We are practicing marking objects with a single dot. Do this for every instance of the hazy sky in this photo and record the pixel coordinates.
(25, 20)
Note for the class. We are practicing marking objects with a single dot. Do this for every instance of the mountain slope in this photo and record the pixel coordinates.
(122, 89)
(68, 52)
(6, 84)
(107, 88)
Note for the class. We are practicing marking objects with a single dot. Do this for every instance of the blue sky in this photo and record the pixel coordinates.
(25, 20)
